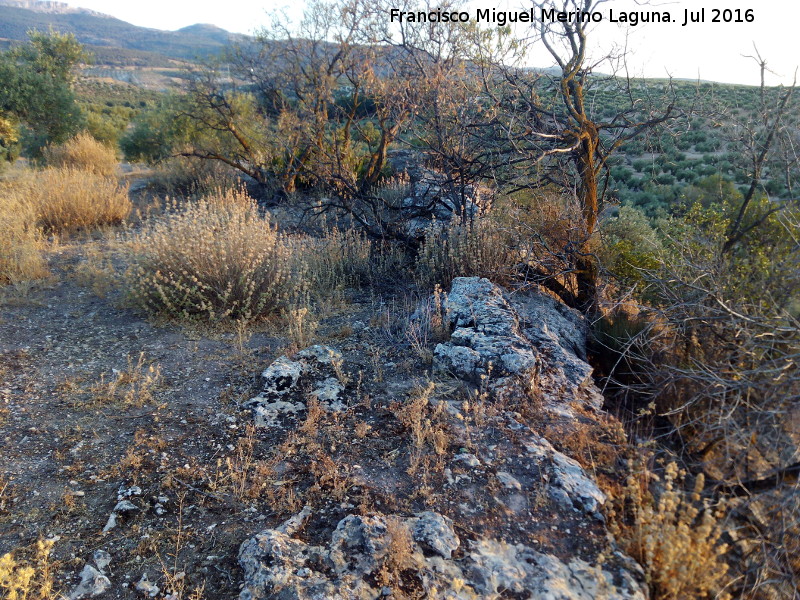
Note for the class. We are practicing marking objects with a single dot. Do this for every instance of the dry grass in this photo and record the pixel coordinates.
(184, 176)
(480, 248)
(430, 327)
(67, 200)
(674, 537)
(347, 258)
(216, 260)
(83, 153)
(52, 201)
(21, 241)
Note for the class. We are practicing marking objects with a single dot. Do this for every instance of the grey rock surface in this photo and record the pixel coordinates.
(289, 383)
(536, 339)
(146, 587)
(569, 485)
(279, 566)
(93, 583)
(434, 532)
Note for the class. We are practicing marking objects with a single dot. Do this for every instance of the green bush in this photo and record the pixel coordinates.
(630, 246)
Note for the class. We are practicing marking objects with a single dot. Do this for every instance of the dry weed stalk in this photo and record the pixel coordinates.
(301, 326)
(425, 422)
(399, 555)
(132, 387)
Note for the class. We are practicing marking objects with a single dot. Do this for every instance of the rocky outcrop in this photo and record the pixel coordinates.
(365, 552)
(313, 373)
(432, 197)
(538, 341)
(528, 348)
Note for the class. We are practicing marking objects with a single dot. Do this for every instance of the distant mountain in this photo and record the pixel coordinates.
(93, 29)
(49, 7)
(211, 32)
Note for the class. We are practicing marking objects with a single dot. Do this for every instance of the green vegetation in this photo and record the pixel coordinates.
(37, 102)
(109, 108)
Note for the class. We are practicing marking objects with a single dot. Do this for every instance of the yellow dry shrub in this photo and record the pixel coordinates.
(67, 200)
(674, 537)
(216, 260)
(21, 580)
(83, 153)
(21, 241)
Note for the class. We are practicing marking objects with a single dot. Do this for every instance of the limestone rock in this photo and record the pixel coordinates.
(497, 566)
(432, 198)
(93, 583)
(434, 532)
(569, 485)
(146, 587)
(539, 341)
(279, 566)
(289, 383)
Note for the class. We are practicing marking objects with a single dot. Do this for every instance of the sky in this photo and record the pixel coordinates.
(708, 51)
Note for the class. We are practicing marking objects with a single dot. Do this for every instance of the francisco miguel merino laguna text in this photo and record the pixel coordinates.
(501, 17)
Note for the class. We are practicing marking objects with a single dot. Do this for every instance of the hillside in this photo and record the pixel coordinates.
(99, 33)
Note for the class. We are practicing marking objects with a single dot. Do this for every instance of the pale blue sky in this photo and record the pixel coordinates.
(711, 51)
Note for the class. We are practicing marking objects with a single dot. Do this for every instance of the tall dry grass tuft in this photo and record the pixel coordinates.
(67, 200)
(347, 258)
(21, 240)
(83, 153)
(217, 260)
(478, 248)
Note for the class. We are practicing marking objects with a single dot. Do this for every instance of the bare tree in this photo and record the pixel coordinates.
(757, 142)
(551, 136)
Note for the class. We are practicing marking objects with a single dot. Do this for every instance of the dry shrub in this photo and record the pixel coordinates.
(21, 579)
(724, 370)
(548, 231)
(21, 240)
(186, 176)
(217, 260)
(477, 248)
(67, 200)
(83, 153)
(425, 422)
(673, 536)
(346, 258)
